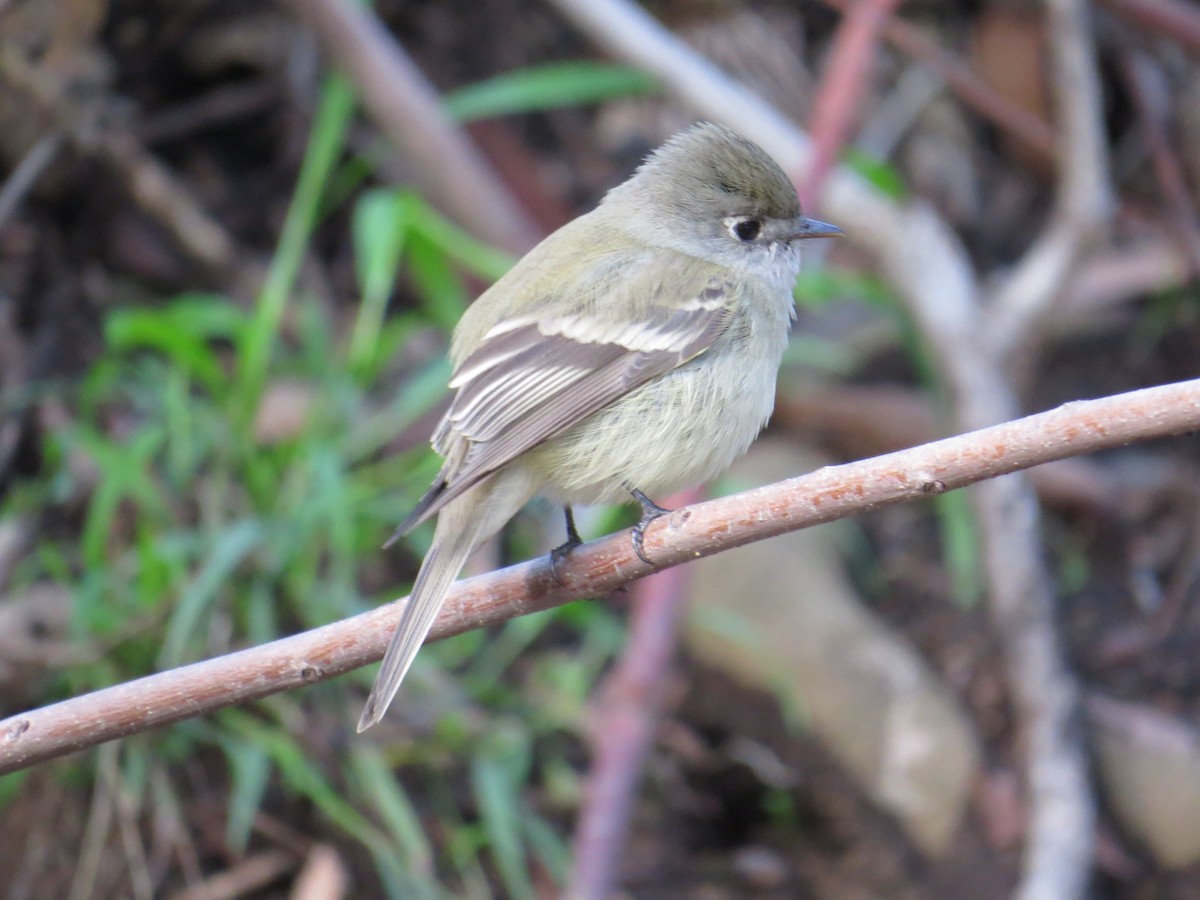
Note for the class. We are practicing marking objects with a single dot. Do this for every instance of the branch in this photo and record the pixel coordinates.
(602, 566)
(407, 108)
(970, 350)
(1147, 88)
(1083, 203)
(839, 98)
(969, 88)
(621, 730)
(1175, 20)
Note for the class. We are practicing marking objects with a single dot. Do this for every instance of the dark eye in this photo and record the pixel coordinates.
(747, 229)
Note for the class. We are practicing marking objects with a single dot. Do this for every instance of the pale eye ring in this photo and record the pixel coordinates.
(745, 230)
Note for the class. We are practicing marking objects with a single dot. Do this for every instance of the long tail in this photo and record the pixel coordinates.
(454, 539)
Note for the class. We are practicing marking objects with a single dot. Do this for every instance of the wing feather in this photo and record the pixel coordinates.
(532, 379)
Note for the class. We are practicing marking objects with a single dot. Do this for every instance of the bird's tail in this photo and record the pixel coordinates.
(456, 536)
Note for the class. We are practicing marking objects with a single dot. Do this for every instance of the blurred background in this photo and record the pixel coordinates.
(234, 238)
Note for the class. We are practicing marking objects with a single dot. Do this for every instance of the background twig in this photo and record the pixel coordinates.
(407, 109)
(626, 716)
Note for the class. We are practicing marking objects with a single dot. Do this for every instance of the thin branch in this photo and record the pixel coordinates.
(27, 172)
(840, 93)
(407, 108)
(1150, 98)
(968, 87)
(1173, 19)
(1084, 200)
(621, 730)
(1114, 276)
(602, 566)
(969, 350)
(151, 185)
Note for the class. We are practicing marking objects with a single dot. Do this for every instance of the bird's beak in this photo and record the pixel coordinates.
(812, 228)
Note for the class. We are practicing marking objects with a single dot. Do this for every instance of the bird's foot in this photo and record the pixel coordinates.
(562, 551)
(650, 512)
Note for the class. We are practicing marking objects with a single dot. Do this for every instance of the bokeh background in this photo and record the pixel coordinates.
(234, 238)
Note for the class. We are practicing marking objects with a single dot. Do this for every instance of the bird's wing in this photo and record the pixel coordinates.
(532, 378)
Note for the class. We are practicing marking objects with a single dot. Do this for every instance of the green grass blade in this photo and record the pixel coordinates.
(497, 788)
(334, 110)
(547, 87)
(384, 793)
(250, 771)
(229, 549)
(380, 230)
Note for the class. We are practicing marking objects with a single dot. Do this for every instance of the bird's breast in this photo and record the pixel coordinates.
(680, 429)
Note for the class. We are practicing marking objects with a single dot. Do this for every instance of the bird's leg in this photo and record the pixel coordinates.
(650, 512)
(559, 553)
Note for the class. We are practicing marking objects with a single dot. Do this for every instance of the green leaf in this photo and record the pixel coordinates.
(548, 846)
(332, 119)
(881, 174)
(547, 87)
(456, 244)
(497, 776)
(960, 542)
(183, 331)
(250, 770)
(229, 549)
(383, 792)
(503, 648)
(380, 228)
(10, 784)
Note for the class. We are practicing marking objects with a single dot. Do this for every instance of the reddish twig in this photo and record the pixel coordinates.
(1175, 20)
(1152, 104)
(601, 566)
(839, 97)
(622, 728)
(962, 81)
(407, 108)
(1083, 200)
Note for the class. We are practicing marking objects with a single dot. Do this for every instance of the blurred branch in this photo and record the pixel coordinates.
(151, 185)
(1115, 276)
(1149, 93)
(602, 566)
(840, 92)
(1172, 19)
(628, 32)
(27, 172)
(407, 108)
(621, 727)
(970, 352)
(965, 84)
(1084, 201)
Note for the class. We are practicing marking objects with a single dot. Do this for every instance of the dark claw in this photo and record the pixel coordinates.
(559, 553)
(650, 512)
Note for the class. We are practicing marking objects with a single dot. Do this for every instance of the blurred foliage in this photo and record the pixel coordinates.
(206, 529)
(547, 87)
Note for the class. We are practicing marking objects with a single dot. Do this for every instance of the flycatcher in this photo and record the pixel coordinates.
(633, 351)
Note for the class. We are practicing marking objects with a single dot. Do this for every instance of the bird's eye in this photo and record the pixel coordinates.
(746, 229)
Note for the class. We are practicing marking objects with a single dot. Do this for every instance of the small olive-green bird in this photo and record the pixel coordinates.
(632, 352)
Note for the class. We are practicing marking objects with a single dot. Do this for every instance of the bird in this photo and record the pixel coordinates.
(633, 352)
